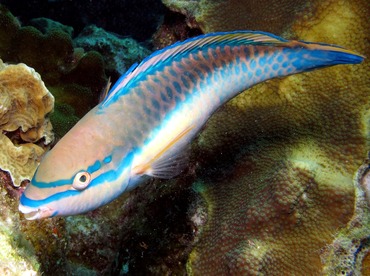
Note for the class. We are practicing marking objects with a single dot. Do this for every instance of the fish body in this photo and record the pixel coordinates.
(153, 112)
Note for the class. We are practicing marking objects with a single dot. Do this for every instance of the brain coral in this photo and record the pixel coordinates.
(25, 102)
(278, 161)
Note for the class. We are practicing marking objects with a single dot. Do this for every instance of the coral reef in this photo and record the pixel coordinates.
(56, 54)
(68, 72)
(119, 53)
(25, 128)
(226, 15)
(277, 168)
(278, 161)
(349, 251)
(25, 134)
(175, 27)
(74, 71)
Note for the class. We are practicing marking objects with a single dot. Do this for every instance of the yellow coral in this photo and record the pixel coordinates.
(25, 102)
(294, 145)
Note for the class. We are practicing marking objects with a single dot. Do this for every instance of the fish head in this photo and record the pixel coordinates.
(78, 175)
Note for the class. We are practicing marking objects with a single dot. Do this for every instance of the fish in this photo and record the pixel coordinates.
(148, 119)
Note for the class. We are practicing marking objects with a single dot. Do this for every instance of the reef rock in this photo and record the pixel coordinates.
(25, 128)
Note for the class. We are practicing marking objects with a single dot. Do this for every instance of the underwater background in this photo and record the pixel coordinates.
(279, 179)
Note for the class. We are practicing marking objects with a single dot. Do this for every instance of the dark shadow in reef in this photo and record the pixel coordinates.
(137, 18)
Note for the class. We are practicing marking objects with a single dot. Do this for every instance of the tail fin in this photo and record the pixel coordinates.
(337, 54)
(309, 56)
(344, 57)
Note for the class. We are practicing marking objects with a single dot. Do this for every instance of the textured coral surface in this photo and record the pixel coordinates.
(24, 105)
(285, 152)
(227, 15)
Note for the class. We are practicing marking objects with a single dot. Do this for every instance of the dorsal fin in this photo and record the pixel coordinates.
(235, 37)
(121, 82)
(106, 90)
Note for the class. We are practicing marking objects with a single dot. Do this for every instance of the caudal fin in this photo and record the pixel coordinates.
(307, 56)
(344, 57)
(334, 54)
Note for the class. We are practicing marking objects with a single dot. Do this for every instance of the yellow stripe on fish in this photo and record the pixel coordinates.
(153, 112)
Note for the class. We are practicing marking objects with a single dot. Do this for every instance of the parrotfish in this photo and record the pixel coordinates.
(147, 120)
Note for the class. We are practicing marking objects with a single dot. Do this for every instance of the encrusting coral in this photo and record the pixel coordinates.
(25, 128)
(278, 161)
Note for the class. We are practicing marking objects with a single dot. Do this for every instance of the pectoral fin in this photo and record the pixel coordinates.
(169, 161)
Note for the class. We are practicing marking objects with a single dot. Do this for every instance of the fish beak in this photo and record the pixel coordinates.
(32, 214)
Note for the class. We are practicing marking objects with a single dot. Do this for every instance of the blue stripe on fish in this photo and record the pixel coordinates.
(62, 182)
(37, 202)
(47, 185)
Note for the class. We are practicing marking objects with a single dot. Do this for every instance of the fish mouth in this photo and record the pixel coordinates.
(32, 214)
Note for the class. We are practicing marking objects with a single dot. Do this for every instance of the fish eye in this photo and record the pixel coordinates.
(81, 180)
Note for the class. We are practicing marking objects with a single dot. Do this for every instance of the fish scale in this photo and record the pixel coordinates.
(148, 119)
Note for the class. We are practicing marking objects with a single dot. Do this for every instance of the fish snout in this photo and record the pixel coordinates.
(36, 213)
